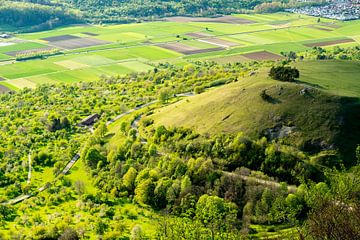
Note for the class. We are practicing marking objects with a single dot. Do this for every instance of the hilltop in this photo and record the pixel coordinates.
(304, 114)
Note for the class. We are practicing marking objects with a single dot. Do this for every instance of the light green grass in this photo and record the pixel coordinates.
(9, 86)
(152, 53)
(339, 77)
(80, 173)
(93, 60)
(4, 56)
(21, 46)
(29, 68)
(21, 83)
(137, 66)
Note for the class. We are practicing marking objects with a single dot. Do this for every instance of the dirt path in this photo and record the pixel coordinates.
(29, 173)
(268, 183)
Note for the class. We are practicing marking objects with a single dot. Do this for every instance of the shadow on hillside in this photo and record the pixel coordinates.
(349, 136)
(309, 84)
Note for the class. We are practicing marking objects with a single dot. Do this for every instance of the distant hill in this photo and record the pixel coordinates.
(300, 113)
(46, 14)
(29, 16)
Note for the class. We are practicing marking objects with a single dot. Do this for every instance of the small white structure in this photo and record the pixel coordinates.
(4, 35)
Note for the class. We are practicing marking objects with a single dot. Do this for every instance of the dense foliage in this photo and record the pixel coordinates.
(46, 14)
(35, 16)
(284, 73)
(43, 121)
(203, 186)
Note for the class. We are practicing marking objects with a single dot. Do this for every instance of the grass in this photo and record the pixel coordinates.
(136, 66)
(80, 173)
(30, 68)
(345, 81)
(238, 107)
(21, 83)
(93, 60)
(21, 46)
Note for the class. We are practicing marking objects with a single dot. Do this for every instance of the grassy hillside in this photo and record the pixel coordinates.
(316, 119)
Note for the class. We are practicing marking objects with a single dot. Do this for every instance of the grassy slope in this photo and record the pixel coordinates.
(239, 107)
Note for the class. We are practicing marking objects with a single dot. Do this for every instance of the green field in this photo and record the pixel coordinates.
(134, 47)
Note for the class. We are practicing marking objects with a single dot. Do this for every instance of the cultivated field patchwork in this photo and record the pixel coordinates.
(90, 51)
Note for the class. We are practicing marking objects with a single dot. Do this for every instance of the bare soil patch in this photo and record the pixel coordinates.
(328, 43)
(219, 42)
(29, 51)
(4, 89)
(224, 19)
(79, 43)
(60, 38)
(187, 50)
(263, 55)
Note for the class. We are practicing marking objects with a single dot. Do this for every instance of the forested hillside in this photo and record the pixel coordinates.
(171, 180)
(47, 14)
(36, 17)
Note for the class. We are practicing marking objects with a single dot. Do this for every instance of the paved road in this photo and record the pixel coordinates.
(70, 164)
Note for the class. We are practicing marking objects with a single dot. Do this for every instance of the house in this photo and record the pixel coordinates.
(4, 35)
(90, 120)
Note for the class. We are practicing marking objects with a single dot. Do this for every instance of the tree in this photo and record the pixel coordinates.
(79, 187)
(199, 89)
(335, 207)
(136, 233)
(164, 95)
(129, 179)
(185, 185)
(100, 227)
(93, 156)
(144, 192)
(69, 234)
(160, 193)
(216, 214)
(284, 73)
(101, 130)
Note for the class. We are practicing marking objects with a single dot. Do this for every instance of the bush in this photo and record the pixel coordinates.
(284, 73)
(199, 89)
